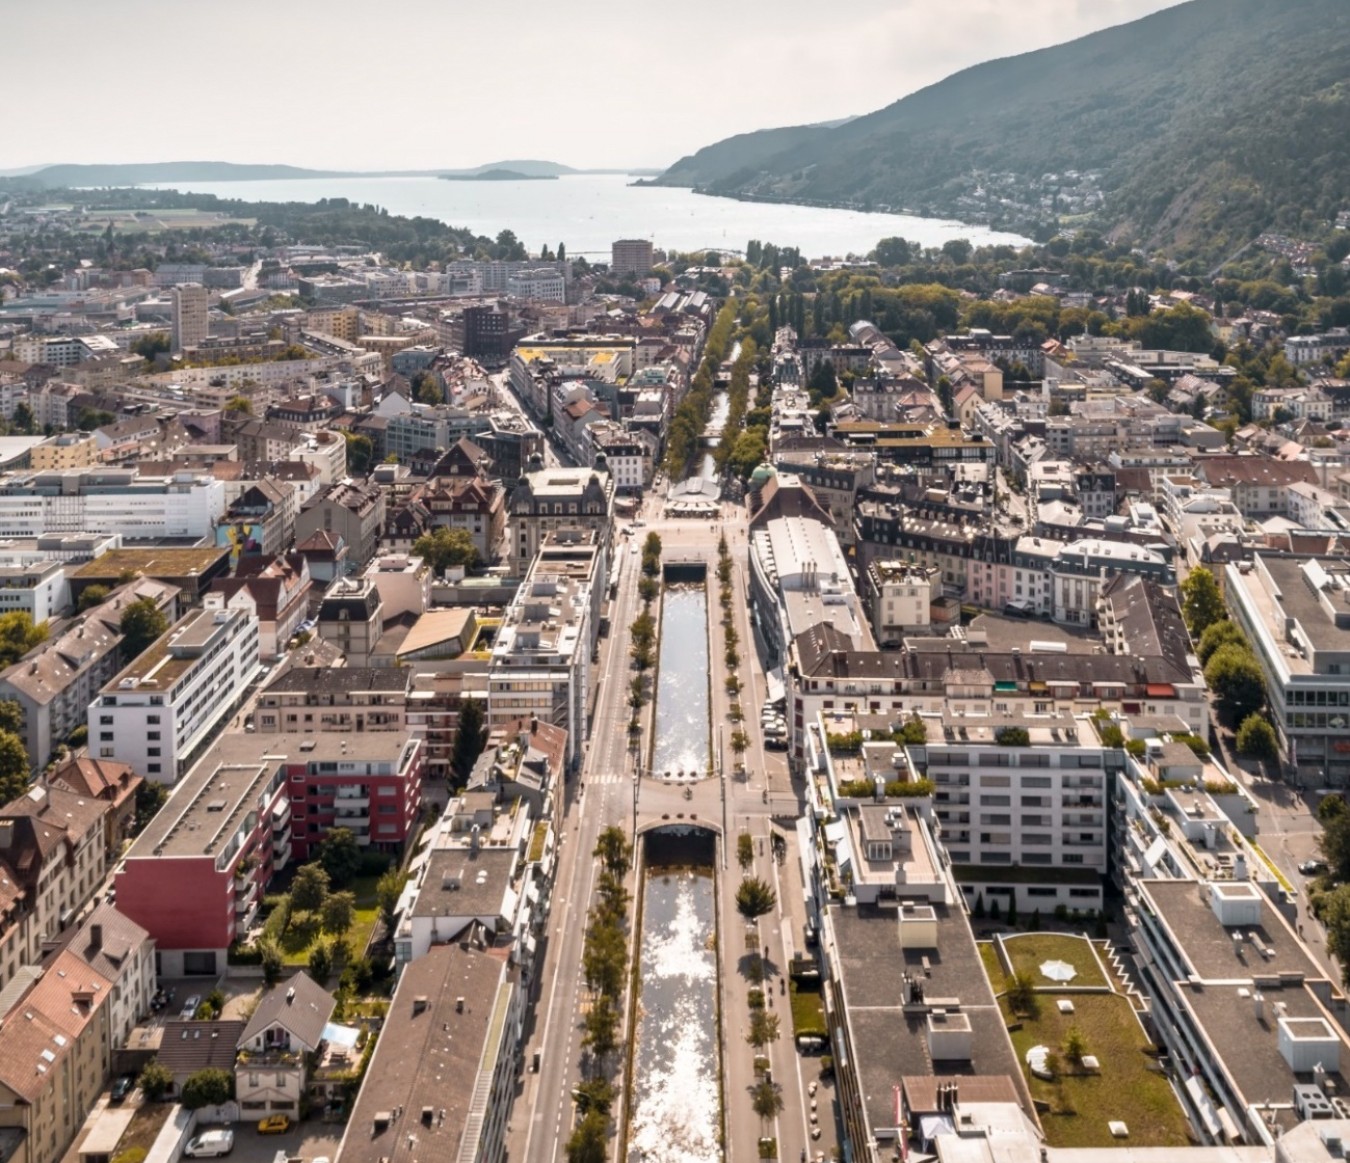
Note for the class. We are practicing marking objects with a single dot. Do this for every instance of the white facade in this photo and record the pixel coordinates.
(110, 501)
(161, 708)
(191, 315)
(541, 283)
(40, 590)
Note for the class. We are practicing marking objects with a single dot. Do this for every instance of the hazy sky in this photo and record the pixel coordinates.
(426, 83)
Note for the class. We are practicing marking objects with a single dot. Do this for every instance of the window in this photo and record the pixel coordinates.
(152, 750)
(152, 768)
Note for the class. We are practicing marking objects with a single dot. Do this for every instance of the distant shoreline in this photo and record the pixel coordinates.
(498, 176)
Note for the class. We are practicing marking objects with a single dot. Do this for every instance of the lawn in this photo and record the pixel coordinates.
(1075, 1107)
(142, 1131)
(993, 967)
(808, 1011)
(1029, 950)
(303, 931)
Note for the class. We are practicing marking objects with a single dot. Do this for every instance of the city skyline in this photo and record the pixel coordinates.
(681, 93)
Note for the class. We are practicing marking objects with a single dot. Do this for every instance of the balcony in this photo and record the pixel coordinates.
(245, 899)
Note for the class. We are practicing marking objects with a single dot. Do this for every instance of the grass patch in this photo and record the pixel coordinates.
(536, 853)
(303, 933)
(1028, 950)
(1128, 1087)
(993, 967)
(1280, 878)
(808, 1010)
(144, 1128)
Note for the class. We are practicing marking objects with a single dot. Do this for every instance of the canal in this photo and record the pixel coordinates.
(681, 741)
(676, 1099)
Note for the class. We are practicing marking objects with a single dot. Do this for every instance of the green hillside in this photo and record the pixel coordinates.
(1192, 129)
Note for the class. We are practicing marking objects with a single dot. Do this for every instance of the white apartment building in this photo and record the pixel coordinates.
(537, 283)
(39, 590)
(191, 315)
(1296, 615)
(541, 657)
(110, 501)
(900, 598)
(157, 712)
(1025, 792)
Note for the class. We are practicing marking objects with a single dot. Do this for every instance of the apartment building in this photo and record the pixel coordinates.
(630, 256)
(55, 1059)
(351, 618)
(1296, 614)
(119, 950)
(472, 503)
(347, 699)
(541, 657)
(900, 599)
(191, 316)
(65, 451)
(157, 712)
(52, 860)
(353, 512)
(276, 592)
(465, 1101)
(41, 591)
(545, 500)
(184, 505)
(54, 683)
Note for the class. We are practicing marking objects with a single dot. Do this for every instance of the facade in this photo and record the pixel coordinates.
(184, 505)
(471, 503)
(55, 683)
(541, 656)
(1296, 614)
(271, 1072)
(900, 599)
(630, 256)
(351, 618)
(191, 316)
(115, 784)
(41, 591)
(353, 512)
(156, 713)
(276, 592)
(545, 500)
(343, 699)
(52, 861)
(66, 450)
(119, 950)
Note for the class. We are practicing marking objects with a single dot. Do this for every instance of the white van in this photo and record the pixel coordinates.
(210, 1144)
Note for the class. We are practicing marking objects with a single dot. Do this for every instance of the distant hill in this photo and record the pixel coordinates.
(1192, 129)
(135, 174)
(499, 176)
(523, 169)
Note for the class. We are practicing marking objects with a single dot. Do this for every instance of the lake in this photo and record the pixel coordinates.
(587, 212)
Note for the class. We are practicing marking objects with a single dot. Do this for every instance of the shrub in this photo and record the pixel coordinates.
(1012, 737)
(155, 1080)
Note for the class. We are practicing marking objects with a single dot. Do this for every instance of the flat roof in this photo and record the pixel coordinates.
(450, 1006)
(461, 882)
(339, 679)
(888, 1043)
(175, 652)
(156, 562)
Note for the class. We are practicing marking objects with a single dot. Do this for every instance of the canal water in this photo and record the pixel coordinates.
(676, 1111)
(682, 722)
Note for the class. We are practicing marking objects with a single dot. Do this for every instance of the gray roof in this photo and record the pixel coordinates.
(341, 679)
(300, 1006)
(187, 1047)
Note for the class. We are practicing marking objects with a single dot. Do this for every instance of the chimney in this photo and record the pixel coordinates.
(96, 936)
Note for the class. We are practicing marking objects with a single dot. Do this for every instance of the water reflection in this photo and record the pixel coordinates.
(681, 742)
(675, 1096)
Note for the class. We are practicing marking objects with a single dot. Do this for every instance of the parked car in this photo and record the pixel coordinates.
(274, 1125)
(1313, 867)
(210, 1144)
(121, 1088)
(189, 1010)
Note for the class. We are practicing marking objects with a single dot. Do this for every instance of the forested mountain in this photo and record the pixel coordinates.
(1192, 129)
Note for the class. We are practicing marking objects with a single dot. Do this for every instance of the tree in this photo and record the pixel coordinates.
(1201, 601)
(339, 911)
(914, 731)
(239, 406)
(1075, 1045)
(18, 636)
(1256, 738)
(427, 388)
(209, 1087)
(309, 889)
(745, 851)
(272, 962)
(1335, 915)
(149, 346)
(142, 622)
(444, 547)
(1218, 634)
(340, 856)
(755, 897)
(614, 850)
(14, 769)
(321, 961)
(11, 717)
(388, 890)
(155, 1080)
(360, 452)
(1021, 994)
(589, 1141)
(91, 596)
(150, 797)
(22, 420)
(763, 1028)
(601, 1035)
(1234, 675)
(470, 737)
(595, 1094)
(767, 1099)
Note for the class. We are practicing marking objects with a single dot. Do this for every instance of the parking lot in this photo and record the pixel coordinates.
(309, 1141)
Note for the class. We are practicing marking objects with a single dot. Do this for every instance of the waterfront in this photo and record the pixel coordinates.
(590, 211)
(676, 1111)
(681, 741)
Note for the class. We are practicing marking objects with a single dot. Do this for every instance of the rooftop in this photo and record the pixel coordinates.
(156, 562)
(183, 646)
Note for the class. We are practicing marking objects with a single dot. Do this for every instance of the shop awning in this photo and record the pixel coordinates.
(1005, 686)
(1160, 690)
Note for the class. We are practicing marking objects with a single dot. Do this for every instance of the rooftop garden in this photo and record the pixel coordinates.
(1029, 951)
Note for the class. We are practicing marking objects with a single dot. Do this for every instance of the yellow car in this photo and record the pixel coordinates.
(274, 1125)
